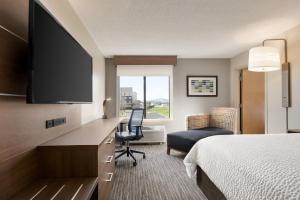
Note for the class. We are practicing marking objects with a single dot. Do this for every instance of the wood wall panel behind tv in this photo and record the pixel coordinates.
(22, 126)
(14, 16)
(14, 48)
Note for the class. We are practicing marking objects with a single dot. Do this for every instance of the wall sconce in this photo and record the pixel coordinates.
(104, 116)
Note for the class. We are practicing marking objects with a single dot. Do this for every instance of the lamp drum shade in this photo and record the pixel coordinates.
(264, 59)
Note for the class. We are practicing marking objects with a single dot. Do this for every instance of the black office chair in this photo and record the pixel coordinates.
(135, 132)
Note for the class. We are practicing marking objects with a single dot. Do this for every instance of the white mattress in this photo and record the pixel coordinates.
(250, 166)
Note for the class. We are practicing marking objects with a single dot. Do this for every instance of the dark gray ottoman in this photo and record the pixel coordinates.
(185, 140)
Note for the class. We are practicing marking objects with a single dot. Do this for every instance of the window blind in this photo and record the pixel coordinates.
(145, 70)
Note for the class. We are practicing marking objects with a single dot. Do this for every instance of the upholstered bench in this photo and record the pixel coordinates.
(220, 121)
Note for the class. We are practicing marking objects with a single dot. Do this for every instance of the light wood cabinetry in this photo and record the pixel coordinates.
(84, 154)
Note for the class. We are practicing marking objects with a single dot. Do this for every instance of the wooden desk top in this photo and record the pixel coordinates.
(89, 134)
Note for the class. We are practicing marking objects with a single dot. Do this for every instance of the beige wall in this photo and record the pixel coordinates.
(90, 112)
(64, 13)
(276, 116)
(183, 105)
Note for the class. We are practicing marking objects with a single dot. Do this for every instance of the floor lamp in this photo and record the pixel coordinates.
(267, 59)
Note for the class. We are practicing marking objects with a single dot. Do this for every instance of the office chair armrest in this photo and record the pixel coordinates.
(120, 128)
(137, 127)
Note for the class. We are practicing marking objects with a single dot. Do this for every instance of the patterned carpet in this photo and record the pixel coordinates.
(158, 177)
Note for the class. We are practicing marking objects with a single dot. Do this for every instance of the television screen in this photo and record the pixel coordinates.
(60, 69)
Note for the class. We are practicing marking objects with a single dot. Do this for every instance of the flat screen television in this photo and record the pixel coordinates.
(60, 69)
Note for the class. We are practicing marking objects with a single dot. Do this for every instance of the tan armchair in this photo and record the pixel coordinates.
(222, 117)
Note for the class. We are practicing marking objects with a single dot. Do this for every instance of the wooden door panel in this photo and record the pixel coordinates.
(253, 102)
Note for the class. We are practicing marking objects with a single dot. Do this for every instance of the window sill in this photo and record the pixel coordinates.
(153, 122)
(156, 121)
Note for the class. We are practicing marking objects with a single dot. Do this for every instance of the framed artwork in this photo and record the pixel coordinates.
(202, 86)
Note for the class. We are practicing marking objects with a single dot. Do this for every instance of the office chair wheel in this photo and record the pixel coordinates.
(144, 156)
(134, 164)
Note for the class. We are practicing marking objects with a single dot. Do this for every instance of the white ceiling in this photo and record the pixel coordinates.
(187, 28)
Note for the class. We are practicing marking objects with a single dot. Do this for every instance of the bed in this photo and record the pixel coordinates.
(247, 167)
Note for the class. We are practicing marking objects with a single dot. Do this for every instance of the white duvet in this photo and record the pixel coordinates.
(250, 167)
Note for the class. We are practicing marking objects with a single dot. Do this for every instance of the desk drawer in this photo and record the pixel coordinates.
(106, 167)
(106, 154)
(105, 151)
(108, 161)
(106, 182)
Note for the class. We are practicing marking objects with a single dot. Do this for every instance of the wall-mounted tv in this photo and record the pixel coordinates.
(60, 68)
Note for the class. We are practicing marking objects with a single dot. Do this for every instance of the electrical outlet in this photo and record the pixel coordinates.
(59, 121)
(55, 122)
(49, 123)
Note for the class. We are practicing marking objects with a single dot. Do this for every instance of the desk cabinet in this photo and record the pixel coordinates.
(106, 166)
(86, 152)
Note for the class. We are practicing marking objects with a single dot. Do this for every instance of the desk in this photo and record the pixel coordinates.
(85, 152)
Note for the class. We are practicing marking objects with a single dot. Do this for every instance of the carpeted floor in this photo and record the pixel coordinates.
(158, 177)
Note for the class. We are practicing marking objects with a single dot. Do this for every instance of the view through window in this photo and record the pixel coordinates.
(154, 90)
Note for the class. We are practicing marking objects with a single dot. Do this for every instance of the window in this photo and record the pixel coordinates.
(149, 92)
(131, 94)
(157, 97)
